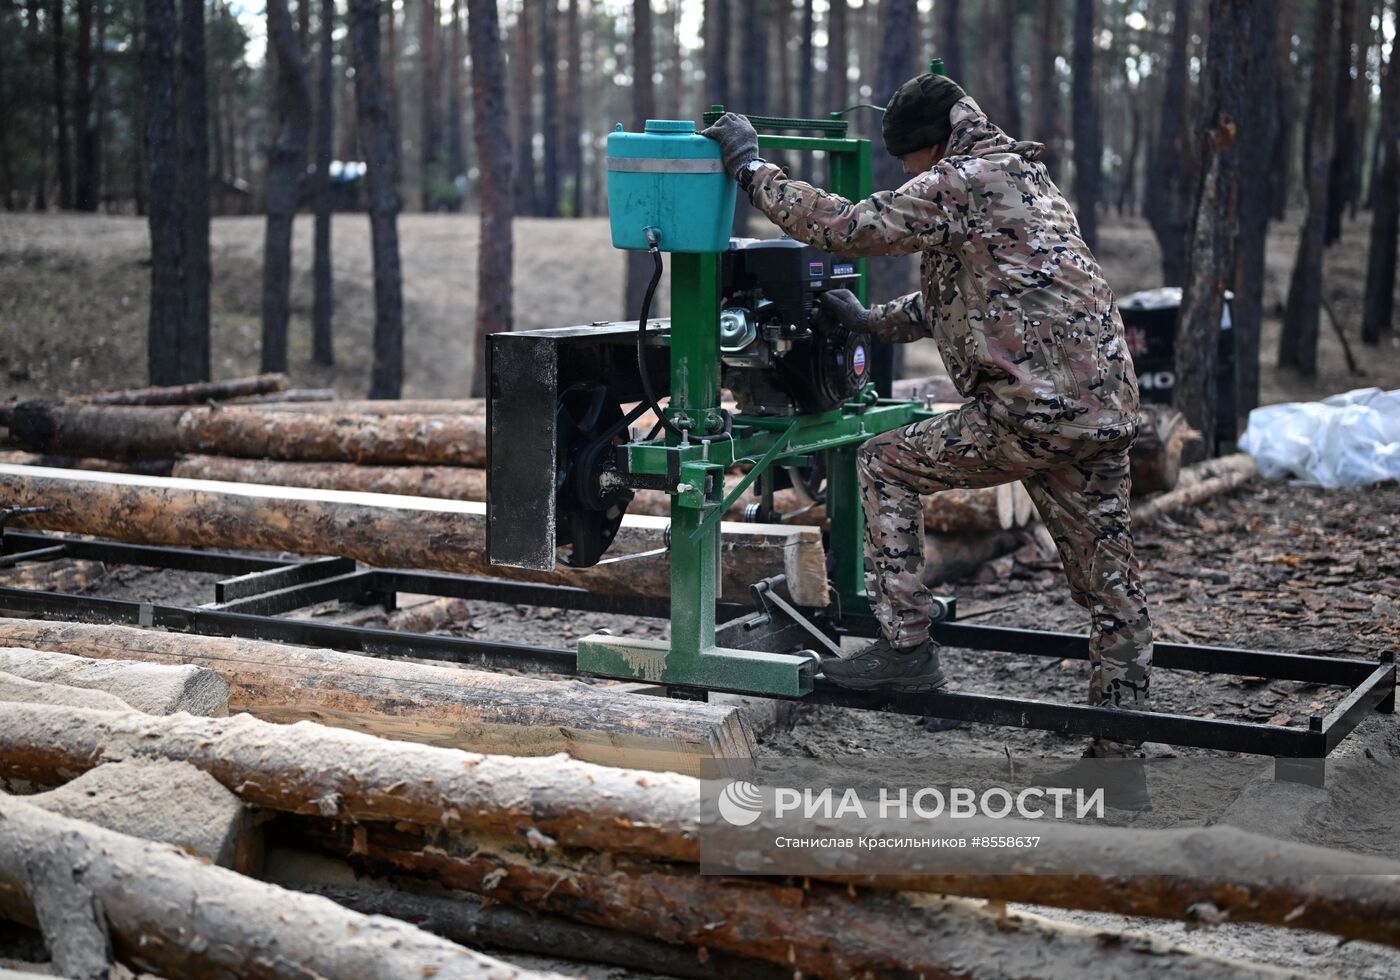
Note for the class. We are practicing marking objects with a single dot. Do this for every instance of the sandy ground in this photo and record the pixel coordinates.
(73, 309)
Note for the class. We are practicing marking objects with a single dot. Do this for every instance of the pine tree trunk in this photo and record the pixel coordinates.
(194, 194)
(42, 133)
(1361, 99)
(572, 134)
(523, 62)
(806, 62)
(347, 147)
(891, 276)
(1049, 123)
(717, 52)
(322, 298)
(97, 136)
(1344, 123)
(1214, 231)
(430, 104)
(378, 138)
(456, 111)
(950, 38)
(1285, 110)
(1171, 163)
(85, 171)
(1088, 180)
(495, 245)
(389, 72)
(549, 59)
(639, 265)
(1258, 128)
(167, 289)
(285, 168)
(60, 105)
(782, 41)
(838, 55)
(1379, 302)
(677, 101)
(1011, 70)
(1298, 338)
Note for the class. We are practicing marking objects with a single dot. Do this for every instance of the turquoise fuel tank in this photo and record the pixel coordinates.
(669, 178)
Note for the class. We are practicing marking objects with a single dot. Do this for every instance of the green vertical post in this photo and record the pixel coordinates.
(852, 175)
(695, 302)
(847, 530)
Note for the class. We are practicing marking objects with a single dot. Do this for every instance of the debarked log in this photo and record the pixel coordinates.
(156, 688)
(467, 709)
(1197, 484)
(168, 912)
(956, 510)
(309, 769)
(382, 530)
(812, 928)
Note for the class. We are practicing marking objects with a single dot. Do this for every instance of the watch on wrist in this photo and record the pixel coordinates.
(748, 171)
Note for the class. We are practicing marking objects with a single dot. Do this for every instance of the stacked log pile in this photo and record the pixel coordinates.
(612, 851)
(256, 431)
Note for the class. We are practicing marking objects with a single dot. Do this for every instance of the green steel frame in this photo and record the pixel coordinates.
(700, 460)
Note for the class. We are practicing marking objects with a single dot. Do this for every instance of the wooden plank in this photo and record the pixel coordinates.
(385, 530)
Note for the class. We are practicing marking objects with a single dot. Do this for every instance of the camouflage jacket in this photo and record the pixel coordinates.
(1010, 293)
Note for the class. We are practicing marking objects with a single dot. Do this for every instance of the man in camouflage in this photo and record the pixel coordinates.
(1030, 334)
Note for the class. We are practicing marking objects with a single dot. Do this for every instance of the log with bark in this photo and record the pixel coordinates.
(167, 912)
(59, 575)
(292, 396)
(146, 467)
(381, 529)
(467, 709)
(61, 428)
(489, 925)
(935, 389)
(309, 769)
(191, 394)
(141, 432)
(950, 557)
(1197, 484)
(812, 928)
(1155, 458)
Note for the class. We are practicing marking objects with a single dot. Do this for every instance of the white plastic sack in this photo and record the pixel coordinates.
(1348, 440)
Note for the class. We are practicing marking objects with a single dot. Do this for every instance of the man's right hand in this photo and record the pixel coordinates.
(843, 306)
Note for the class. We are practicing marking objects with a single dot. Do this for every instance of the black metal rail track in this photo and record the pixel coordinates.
(247, 605)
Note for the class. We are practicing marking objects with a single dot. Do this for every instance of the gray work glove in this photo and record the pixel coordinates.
(737, 139)
(845, 309)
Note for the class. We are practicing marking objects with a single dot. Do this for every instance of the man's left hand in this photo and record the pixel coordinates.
(737, 139)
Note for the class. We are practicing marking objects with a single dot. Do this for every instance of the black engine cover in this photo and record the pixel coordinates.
(813, 365)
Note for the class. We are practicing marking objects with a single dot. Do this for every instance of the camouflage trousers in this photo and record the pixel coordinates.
(1080, 487)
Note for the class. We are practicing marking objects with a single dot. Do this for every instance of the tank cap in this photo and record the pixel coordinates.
(670, 126)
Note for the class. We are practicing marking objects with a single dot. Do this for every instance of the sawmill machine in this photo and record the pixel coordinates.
(565, 454)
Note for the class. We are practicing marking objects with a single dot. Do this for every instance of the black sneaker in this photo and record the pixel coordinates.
(1123, 781)
(880, 667)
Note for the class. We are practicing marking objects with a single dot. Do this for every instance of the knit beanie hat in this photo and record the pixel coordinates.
(917, 115)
